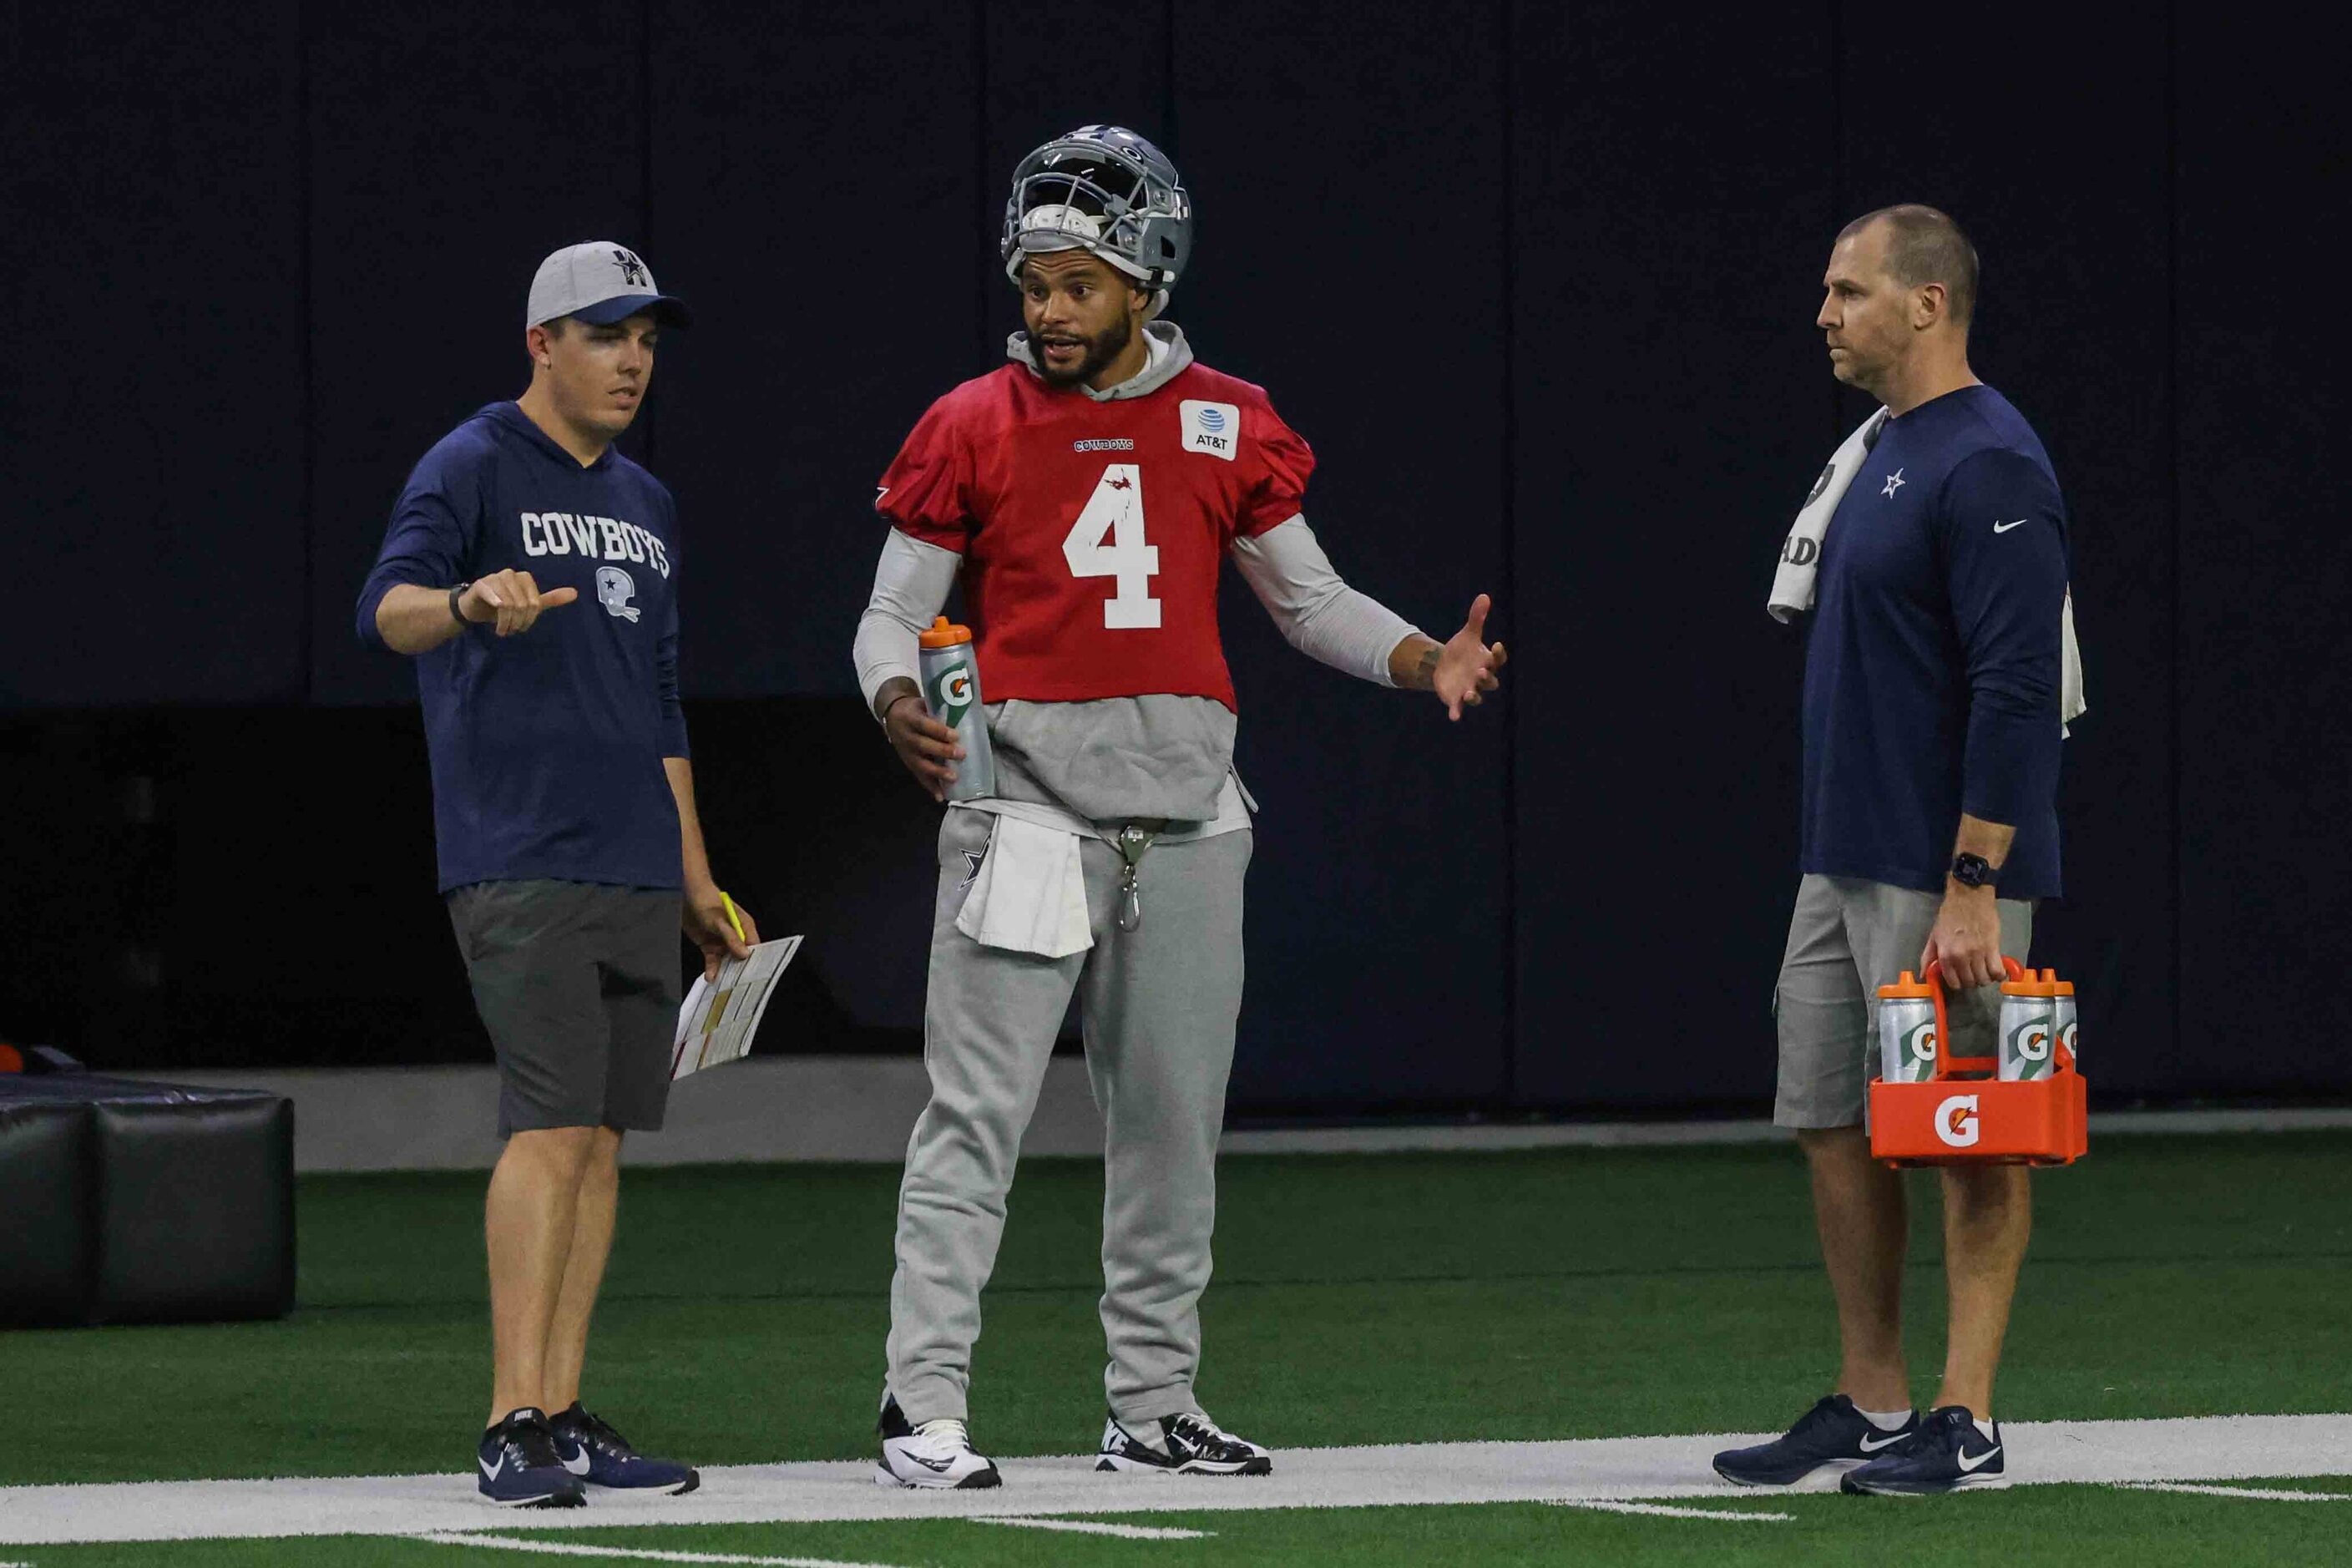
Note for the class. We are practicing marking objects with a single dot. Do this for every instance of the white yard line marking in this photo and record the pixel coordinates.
(2266, 1494)
(627, 1554)
(1665, 1512)
(1613, 1469)
(1089, 1527)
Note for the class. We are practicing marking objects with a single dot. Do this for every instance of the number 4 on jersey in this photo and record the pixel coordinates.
(1115, 512)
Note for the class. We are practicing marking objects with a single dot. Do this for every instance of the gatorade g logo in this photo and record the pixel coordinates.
(1956, 1121)
(1919, 1049)
(2029, 1041)
(952, 693)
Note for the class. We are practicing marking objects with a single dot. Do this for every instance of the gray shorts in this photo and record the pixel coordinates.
(1848, 938)
(578, 985)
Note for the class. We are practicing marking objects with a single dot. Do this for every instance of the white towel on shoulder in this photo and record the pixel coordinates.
(1801, 562)
(1030, 892)
(1800, 557)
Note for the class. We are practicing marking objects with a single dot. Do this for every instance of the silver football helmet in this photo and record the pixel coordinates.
(1104, 189)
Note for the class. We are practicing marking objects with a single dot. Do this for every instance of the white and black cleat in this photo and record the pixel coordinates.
(1189, 1444)
(937, 1455)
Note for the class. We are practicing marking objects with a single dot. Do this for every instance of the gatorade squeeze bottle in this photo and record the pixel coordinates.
(952, 693)
(2029, 1008)
(1907, 1046)
(2064, 1019)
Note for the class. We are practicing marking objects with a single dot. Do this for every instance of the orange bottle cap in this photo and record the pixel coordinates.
(942, 635)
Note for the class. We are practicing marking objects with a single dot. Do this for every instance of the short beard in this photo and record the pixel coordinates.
(1101, 349)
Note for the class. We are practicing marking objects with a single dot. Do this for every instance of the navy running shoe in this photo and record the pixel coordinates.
(519, 1467)
(591, 1450)
(1948, 1453)
(1832, 1433)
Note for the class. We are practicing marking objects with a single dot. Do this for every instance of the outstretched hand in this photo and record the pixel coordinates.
(1466, 664)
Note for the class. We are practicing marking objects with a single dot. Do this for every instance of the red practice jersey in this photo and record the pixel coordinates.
(1092, 532)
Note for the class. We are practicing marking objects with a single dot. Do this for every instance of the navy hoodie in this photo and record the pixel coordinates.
(547, 747)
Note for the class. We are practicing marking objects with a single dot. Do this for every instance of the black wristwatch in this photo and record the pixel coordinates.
(1974, 871)
(455, 613)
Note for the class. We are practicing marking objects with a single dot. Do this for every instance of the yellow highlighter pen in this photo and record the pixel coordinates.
(733, 919)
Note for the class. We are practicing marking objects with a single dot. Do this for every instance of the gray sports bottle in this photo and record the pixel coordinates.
(951, 695)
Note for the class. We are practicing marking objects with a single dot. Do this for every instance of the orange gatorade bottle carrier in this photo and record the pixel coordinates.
(2025, 1105)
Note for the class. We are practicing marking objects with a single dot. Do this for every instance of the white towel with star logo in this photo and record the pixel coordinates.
(1030, 892)
(1801, 561)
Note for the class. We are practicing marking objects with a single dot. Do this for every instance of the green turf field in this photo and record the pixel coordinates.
(1372, 1299)
(2090, 1526)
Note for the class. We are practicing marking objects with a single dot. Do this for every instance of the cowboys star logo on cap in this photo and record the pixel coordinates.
(599, 283)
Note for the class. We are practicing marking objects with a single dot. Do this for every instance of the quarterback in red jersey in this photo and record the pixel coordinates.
(1092, 531)
(1087, 492)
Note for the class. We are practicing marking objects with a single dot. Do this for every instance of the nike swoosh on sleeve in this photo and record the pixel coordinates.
(2005, 527)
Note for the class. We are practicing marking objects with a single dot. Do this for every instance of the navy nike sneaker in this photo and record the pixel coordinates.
(519, 1467)
(1832, 1433)
(591, 1450)
(1188, 1444)
(1948, 1453)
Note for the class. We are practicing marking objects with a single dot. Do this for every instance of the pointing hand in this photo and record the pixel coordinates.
(512, 600)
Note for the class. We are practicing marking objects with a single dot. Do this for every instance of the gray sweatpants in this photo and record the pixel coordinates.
(1159, 1005)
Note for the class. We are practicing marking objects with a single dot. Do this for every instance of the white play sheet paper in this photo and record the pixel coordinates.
(720, 1018)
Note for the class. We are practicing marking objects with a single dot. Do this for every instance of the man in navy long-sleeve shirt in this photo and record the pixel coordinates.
(1931, 736)
(531, 571)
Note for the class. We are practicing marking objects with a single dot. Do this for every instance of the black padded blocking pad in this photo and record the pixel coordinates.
(48, 1237)
(174, 1205)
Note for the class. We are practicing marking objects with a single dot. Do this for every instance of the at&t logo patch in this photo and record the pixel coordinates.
(1211, 428)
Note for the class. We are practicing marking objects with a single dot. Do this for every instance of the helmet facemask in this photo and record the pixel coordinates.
(1105, 190)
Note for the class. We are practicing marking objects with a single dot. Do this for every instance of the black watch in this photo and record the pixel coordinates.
(1974, 871)
(455, 613)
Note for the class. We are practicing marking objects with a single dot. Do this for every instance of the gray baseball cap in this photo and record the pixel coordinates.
(601, 283)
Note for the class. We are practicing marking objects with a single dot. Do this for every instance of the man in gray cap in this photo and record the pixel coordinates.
(564, 810)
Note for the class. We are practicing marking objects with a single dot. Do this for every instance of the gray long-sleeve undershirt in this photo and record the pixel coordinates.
(1316, 610)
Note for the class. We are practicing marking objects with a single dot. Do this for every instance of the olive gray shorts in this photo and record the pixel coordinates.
(578, 985)
(1848, 938)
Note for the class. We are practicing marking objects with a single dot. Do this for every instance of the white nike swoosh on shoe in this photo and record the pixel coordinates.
(490, 1472)
(1968, 1464)
(1869, 1447)
(579, 1462)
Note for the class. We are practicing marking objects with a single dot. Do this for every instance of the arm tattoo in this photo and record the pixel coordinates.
(1424, 674)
